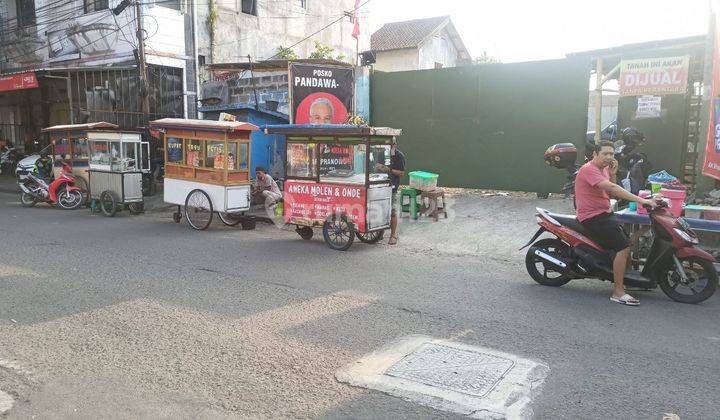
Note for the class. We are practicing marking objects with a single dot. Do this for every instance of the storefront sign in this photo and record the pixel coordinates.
(18, 82)
(320, 94)
(336, 157)
(306, 203)
(649, 106)
(654, 76)
(711, 165)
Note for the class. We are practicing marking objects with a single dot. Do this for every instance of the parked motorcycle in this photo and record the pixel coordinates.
(9, 159)
(61, 191)
(633, 167)
(684, 272)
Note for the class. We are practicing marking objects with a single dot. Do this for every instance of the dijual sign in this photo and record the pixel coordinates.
(654, 76)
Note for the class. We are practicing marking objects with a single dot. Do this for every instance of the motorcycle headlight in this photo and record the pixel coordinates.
(686, 236)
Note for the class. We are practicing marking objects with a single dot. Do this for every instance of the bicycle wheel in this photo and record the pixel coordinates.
(198, 209)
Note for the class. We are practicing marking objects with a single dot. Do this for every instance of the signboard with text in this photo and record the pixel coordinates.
(711, 164)
(18, 82)
(320, 94)
(654, 76)
(311, 203)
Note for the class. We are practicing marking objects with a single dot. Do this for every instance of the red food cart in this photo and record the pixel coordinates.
(331, 181)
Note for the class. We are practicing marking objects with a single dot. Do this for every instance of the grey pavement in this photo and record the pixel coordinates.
(139, 317)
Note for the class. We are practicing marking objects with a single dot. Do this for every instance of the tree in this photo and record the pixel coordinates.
(486, 58)
(322, 52)
(286, 53)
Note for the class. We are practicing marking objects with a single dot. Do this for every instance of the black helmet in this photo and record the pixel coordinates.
(632, 137)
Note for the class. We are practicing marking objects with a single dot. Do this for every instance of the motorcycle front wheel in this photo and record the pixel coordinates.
(69, 200)
(701, 283)
(27, 200)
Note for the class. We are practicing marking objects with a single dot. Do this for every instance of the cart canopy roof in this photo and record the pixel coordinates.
(330, 130)
(100, 125)
(208, 125)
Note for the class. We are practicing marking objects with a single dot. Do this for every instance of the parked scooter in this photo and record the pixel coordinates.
(61, 191)
(633, 167)
(684, 272)
(9, 158)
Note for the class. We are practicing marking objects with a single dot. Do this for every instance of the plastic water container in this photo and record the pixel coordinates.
(643, 194)
(677, 200)
(655, 187)
(423, 180)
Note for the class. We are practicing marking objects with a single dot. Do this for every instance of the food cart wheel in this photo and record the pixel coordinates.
(177, 216)
(338, 232)
(229, 219)
(136, 208)
(198, 209)
(370, 237)
(305, 232)
(108, 203)
(84, 190)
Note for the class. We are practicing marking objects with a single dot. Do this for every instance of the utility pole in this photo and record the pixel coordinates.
(142, 66)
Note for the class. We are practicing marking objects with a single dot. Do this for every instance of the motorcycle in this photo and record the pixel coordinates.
(633, 167)
(9, 159)
(61, 191)
(674, 262)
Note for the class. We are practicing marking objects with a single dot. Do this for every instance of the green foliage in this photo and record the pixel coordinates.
(322, 52)
(485, 58)
(286, 53)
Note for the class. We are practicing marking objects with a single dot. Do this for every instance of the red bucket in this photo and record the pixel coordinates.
(677, 200)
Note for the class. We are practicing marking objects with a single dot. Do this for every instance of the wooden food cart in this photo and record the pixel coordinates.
(207, 170)
(331, 181)
(70, 145)
(118, 160)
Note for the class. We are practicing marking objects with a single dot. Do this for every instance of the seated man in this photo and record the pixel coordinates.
(266, 189)
(594, 185)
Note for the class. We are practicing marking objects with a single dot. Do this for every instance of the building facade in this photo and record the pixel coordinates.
(83, 57)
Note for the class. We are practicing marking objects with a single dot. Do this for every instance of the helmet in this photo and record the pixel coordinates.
(632, 137)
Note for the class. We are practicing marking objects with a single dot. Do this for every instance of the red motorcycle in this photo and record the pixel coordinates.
(684, 272)
(61, 191)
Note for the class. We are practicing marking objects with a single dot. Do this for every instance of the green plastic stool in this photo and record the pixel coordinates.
(412, 207)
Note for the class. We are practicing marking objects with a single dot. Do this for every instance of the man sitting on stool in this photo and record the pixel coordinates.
(266, 190)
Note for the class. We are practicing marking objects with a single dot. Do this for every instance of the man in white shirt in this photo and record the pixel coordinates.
(266, 187)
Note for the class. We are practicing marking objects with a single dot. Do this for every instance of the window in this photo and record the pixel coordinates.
(175, 150)
(115, 157)
(170, 4)
(80, 149)
(25, 12)
(249, 7)
(215, 153)
(379, 155)
(343, 163)
(62, 149)
(95, 5)
(99, 153)
(129, 160)
(301, 160)
(194, 153)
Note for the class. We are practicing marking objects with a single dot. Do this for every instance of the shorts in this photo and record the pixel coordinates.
(606, 231)
(395, 200)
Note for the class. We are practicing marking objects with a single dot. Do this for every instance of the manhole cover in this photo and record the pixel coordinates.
(468, 372)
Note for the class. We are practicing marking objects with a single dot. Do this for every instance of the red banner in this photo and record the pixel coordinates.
(654, 76)
(18, 81)
(711, 165)
(311, 202)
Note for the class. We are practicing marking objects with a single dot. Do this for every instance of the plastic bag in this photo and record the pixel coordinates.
(661, 177)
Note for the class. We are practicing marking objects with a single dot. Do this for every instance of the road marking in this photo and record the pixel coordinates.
(473, 381)
(11, 270)
(6, 402)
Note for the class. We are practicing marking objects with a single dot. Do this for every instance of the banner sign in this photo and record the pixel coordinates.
(649, 106)
(307, 203)
(18, 82)
(711, 165)
(320, 94)
(654, 76)
(336, 158)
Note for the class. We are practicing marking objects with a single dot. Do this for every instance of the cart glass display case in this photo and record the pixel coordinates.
(116, 172)
(335, 179)
(207, 167)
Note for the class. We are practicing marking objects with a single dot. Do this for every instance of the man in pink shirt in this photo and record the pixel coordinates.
(594, 185)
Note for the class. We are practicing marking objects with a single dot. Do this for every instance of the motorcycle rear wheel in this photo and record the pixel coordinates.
(539, 270)
(699, 272)
(27, 200)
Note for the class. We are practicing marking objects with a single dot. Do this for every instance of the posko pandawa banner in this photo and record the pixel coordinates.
(321, 94)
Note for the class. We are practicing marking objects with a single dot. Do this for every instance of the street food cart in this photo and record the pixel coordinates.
(70, 145)
(117, 163)
(332, 181)
(207, 170)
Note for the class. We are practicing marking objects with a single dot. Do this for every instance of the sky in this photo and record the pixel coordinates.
(525, 30)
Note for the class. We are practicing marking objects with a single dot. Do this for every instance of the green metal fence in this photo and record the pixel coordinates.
(486, 126)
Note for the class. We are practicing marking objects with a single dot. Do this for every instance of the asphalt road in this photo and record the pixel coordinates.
(138, 317)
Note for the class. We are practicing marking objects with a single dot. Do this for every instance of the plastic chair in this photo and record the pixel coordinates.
(412, 207)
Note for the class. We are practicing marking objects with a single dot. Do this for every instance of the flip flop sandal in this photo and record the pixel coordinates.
(393, 240)
(625, 300)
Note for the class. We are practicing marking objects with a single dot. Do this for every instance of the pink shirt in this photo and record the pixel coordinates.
(590, 200)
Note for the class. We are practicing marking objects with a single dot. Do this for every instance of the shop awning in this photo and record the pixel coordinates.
(27, 80)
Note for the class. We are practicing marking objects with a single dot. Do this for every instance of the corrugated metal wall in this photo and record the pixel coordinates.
(486, 126)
